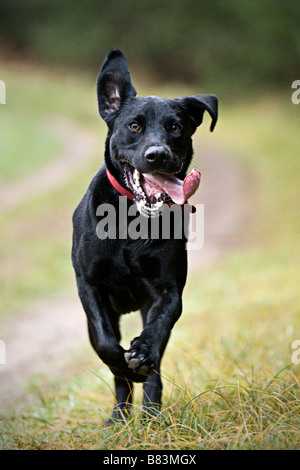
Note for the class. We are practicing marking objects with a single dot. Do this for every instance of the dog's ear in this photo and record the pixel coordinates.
(114, 84)
(195, 106)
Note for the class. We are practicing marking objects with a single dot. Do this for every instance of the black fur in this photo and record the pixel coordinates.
(117, 276)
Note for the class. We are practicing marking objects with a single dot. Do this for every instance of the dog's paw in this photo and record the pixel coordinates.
(139, 364)
(140, 359)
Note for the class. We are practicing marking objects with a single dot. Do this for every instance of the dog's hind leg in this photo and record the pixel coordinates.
(152, 388)
(123, 387)
(152, 393)
(124, 392)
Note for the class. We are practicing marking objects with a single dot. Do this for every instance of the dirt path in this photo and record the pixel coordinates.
(79, 145)
(54, 328)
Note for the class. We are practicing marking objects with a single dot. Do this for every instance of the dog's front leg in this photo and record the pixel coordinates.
(146, 351)
(101, 318)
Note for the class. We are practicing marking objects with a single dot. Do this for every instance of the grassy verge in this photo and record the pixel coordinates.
(35, 96)
(35, 249)
(31, 149)
(36, 234)
(228, 375)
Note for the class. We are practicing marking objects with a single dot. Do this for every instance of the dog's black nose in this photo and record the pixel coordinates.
(157, 154)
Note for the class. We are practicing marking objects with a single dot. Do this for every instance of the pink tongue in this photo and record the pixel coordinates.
(179, 191)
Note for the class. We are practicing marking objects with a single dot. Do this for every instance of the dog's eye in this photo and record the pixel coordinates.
(134, 126)
(175, 128)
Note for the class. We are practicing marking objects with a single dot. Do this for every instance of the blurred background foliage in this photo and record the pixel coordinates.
(239, 45)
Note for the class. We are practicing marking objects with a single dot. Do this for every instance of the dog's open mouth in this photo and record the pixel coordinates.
(152, 190)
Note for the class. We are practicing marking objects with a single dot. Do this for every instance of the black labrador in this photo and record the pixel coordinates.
(147, 154)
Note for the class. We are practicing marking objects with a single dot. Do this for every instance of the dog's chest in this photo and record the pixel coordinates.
(131, 285)
(129, 266)
(131, 277)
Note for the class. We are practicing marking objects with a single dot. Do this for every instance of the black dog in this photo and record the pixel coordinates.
(148, 143)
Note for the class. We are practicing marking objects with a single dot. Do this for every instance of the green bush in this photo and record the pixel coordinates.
(240, 44)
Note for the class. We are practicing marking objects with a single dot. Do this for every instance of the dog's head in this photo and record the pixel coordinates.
(149, 139)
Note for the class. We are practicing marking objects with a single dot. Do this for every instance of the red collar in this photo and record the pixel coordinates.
(118, 187)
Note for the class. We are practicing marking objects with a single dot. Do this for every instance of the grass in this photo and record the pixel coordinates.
(35, 235)
(229, 382)
(35, 246)
(233, 412)
(35, 97)
(34, 141)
